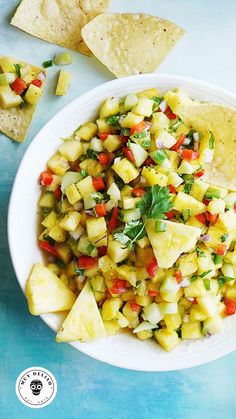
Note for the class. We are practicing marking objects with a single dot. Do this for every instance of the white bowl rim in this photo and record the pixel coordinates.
(155, 78)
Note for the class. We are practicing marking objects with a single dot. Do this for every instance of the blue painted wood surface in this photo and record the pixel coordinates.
(87, 388)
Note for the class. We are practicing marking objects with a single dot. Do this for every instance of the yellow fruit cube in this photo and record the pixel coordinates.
(191, 330)
(33, 94)
(8, 98)
(109, 107)
(131, 119)
(199, 189)
(184, 202)
(72, 193)
(112, 143)
(63, 83)
(116, 251)
(167, 339)
(154, 178)
(216, 206)
(85, 186)
(110, 308)
(144, 107)
(87, 131)
(125, 170)
(195, 289)
(173, 321)
(71, 150)
(58, 164)
(70, 221)
(96, 228)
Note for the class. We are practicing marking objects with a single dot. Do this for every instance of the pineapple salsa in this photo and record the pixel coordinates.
(132, 235)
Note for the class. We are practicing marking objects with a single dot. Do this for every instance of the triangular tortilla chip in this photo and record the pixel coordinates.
(130, 43)
(58, 21)
(222, 122)
(15, 122)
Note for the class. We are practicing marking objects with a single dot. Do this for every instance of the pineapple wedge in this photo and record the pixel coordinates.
(46, 293)
(170, 244)
(84, 321)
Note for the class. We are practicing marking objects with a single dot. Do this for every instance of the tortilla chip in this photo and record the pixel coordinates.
(130, 43)
(222, 122)
(58, 21)
(15, 122)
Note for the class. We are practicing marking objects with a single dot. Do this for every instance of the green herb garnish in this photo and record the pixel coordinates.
(223, 279)
(97, 196)
(211, 141)
(212, 193)
(90, 248)
(17, 68)
(79, 271)
(92, 154)
(47, 64)
(133, 231)
(224, 237)
(186, 215)
(188, 185)
(159, 156)
(157, 100)
(125, 132)
(113, 119)
(155, 203)
(205, 273)
(175, 126)
(200, 252)
(194, 278)
(84, 172)
(217, 259)
(146, 144)
(207, 284)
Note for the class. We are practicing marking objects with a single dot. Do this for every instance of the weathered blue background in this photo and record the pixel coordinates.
(87, 388)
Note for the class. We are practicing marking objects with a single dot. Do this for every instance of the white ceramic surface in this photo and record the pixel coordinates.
(122, 350)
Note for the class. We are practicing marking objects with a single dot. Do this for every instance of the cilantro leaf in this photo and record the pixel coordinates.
(186, 215)
(92, 154)
(133, 231)
(211, 141)
(113, 120)
(223, 279)
(224, 237)
(90, 248)
(188, 185)
(200, 252)
(17, 68)
(155, 203)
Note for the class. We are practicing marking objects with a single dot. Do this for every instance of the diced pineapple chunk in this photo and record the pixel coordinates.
(125, 170)
(144, 107)
(47, 200)
(178, 238)
(154, 178)
(216, 206)
(227, 221)
(165, 138)
(71, 150)
(206, 264)
(58, 164)
(230, 199)
(33, 94)
(7, 78)
(207, 304)
(7, 65)
(173, 321)
(110, 308)
(111, 327)
(152, 313)
(144, 334)
(64, 252)
(63, 83)
(191, 330)
(96, 228)
(121, 320)
(184, 201)
(140, 155)
(131, 119)
(108, 267)
(46, 293)
(212, 325)
(129, 273)
(195, 289)
(72, 193)
(188, 264)
(109, 107)
(196, 314)
(70, 221)
(116, 251)
(160, 122)
(112, 143)
(85, 186)
(84, 321)
(57, 233)
(50, 220)
(215, 235)
(174, 179)
(130, 101)
(8, 98)
(68, 179)
(199, 189)
(87, 131)
(167, 339)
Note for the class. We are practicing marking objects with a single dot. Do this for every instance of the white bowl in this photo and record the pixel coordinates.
(122, 350)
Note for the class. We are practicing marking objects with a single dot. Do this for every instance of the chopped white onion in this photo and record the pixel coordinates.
(185, 282)
(41, 76)
(160, 143)
(163, 106)
(90, 213)
(187, 141)
(147, 125)
(196, 136)
(117, 160)
(190, 299)
(80, 279)
(206, 237)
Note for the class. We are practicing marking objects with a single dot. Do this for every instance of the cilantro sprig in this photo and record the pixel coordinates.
(155, 203)
(133, 231)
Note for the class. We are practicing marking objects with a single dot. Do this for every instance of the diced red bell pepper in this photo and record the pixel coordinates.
(19, 86)
(201, 218)
(194, 301)
(170, 215)
(135, 307)
(149, 161)
(87, 262)
(189, 154)
(230, 306)
(168, 112)
(37, 82)
(152, 267)
(138, 127)
(212, 218)
(153, 293)
(221, 249)
(123, 139)
(99, 183)
(200, 173)
(46, 178)
(171, 188)
(138, 191)
(178, 276)
(128, 153)
(103, 135)
(102, 251)
(180, 141)
(58, 193)
(100, 210)
(104, 158)
(113, 222)
(44, 245)
(205, 201)
(119, 286)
